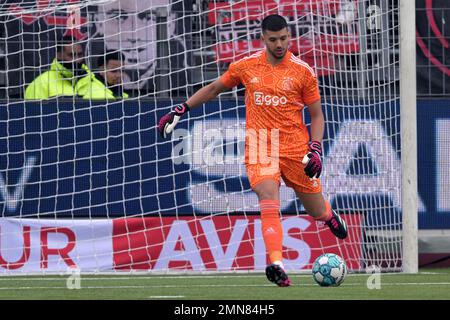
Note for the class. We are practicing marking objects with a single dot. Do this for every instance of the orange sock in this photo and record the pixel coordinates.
(271, 229)
(326, 215)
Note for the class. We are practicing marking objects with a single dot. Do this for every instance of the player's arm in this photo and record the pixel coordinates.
(312, 160)
(168, 122)
(317, 121)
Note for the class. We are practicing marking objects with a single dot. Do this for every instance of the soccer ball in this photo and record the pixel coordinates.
(329, 270)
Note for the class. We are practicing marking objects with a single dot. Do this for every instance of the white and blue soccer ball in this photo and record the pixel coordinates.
(329, 270)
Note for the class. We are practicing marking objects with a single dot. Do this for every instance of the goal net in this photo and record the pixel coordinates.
(89, 184)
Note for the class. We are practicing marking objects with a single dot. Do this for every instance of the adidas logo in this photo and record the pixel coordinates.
(254, 80)
(269, 230)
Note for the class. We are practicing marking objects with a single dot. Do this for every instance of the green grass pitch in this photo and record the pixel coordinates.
(428, 284)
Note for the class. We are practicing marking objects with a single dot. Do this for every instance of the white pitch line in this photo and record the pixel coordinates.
(166, 297)
(428, 273)
(223, 286)
(140, 287)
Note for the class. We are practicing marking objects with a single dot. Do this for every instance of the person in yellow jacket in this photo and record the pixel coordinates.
(65, 70)
(106, 83)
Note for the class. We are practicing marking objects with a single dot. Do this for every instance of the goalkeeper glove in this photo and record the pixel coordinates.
(312, 160)
(168, 122)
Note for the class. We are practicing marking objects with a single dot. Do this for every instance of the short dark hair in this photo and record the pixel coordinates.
(273, 22)
(110, 55)
(64, 41)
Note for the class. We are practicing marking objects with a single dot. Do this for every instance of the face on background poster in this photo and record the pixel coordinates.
(131, 26)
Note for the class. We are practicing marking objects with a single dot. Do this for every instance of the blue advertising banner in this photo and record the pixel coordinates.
(65, 160)
(433, 148)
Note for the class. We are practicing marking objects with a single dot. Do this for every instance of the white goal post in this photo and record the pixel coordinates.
(89, 184)
(408, 105)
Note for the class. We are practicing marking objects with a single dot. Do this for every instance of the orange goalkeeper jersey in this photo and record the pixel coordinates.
(275, 97)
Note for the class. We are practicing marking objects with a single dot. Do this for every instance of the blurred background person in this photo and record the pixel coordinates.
(65, 70)
(106, 83)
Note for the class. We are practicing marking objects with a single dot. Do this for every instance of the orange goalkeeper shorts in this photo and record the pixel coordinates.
(291, 170)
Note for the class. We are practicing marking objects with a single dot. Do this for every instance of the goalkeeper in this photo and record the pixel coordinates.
(278, 86)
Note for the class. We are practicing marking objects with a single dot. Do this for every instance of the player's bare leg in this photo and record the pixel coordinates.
(268, 195)
(320, 209)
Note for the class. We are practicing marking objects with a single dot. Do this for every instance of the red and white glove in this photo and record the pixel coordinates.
(168, 122)
(312, 160)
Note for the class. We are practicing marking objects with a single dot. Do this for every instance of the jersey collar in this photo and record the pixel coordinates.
(285, 60)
